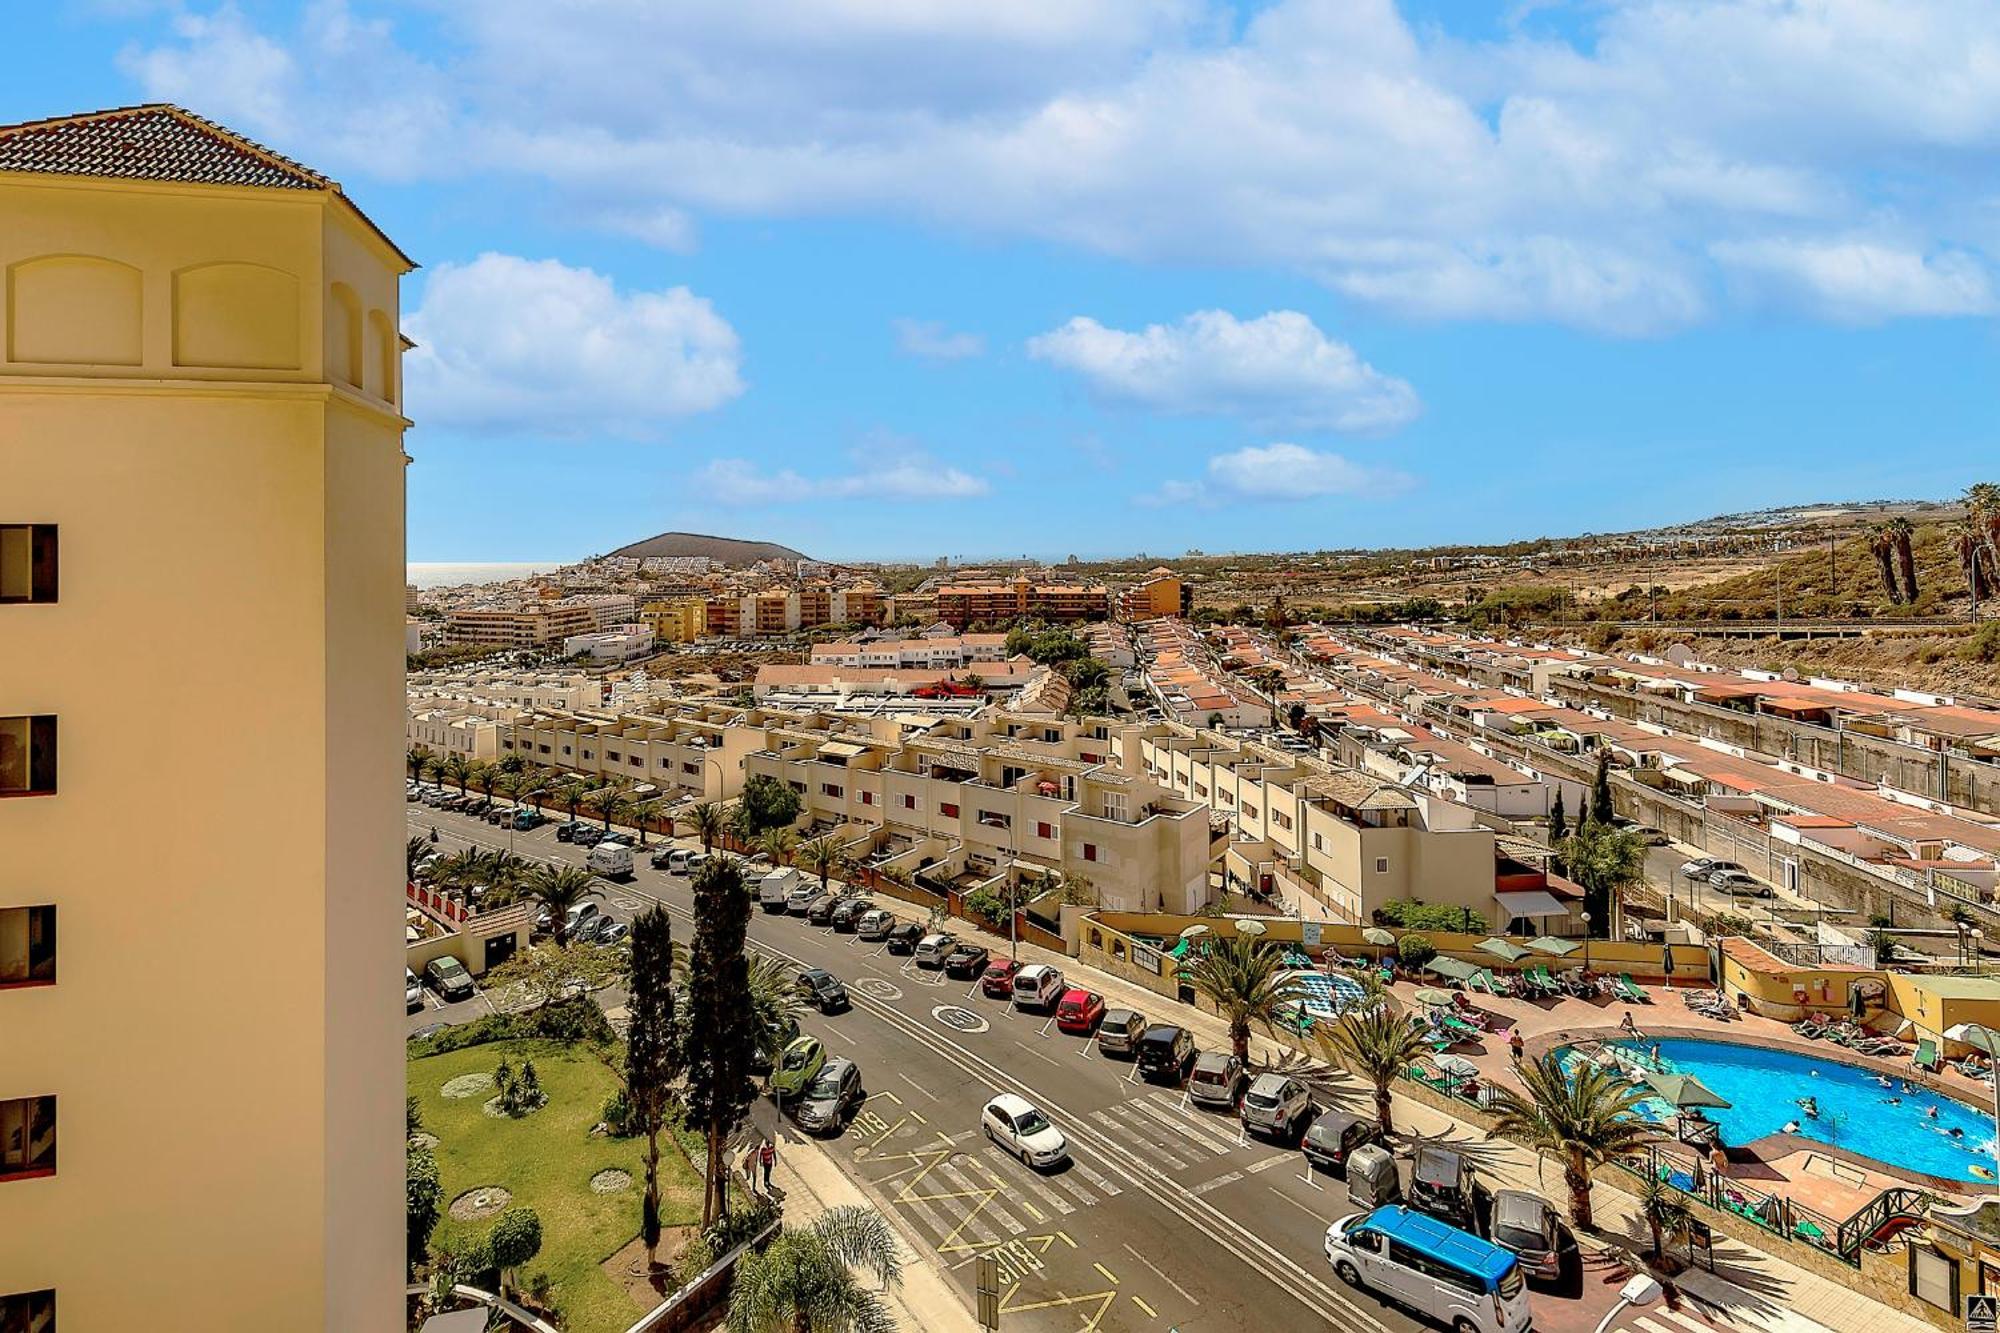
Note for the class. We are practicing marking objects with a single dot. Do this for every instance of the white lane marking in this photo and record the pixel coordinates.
(1115, 1126)
(918, 1086)
(1301, 1207)
(1186, 1295)
(1104, 1184)
(1217, 1183)
(1031, 1181)
(1177, 1124)
(980, 1205)
(833, 1031)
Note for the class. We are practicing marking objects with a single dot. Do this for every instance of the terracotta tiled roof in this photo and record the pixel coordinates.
(155, 143)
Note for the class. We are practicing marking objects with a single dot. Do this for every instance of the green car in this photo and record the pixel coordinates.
(798, 1065)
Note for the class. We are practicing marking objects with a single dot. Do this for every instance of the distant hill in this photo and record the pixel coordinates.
(728, 550)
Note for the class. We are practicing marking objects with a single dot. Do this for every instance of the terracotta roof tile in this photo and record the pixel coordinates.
(156, 143)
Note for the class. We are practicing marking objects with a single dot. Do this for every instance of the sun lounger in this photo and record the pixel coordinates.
(1926, 1055)
(1629, 989)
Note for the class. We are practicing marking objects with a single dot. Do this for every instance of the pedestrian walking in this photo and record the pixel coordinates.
(1515, 1044)
(767, 1155)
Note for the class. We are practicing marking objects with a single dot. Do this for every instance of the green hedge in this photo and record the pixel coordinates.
(572, 1020)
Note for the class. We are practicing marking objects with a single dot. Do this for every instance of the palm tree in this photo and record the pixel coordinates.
(778, 844)
(1901, 535)
(1586, 1120)
(804, 1281)
(533, 786)
(1247, 980)
(414, 850)
(570, 795)
(483, 775)
(1660, 1204)
(560, 888)
(1982, 510)
(706, 819)
(775, 999)
(417, 756)
(820, 855)
(1882, 546)
(741, 825)
(610, 802)
(644, 813)
(1606, 861)
(507, 784)
(456, 768)
(1376, 1044)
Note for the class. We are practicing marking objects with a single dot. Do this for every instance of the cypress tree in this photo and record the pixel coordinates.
(652, 1055)
(720, 1032)
(1558, 821)
(1601, 811)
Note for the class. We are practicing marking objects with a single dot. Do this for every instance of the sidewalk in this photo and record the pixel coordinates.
(811, 1183)
(1750, 1288)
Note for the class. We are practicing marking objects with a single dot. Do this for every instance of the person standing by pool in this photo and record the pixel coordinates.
(1515, 1045)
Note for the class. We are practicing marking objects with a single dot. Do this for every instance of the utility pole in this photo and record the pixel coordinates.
(1832, 571)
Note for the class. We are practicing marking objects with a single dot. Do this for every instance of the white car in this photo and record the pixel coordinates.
(1015, 1124)
(413, 991)
(932, 950)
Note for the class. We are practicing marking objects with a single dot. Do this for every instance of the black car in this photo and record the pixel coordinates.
(566, 832)
(1166, 1053)
(903, 937)
(658, 860)
(966, 961)
(823, 989)
(587, 836)
(819, 912)
(1336, 1133)
(1442, 1185)
(847, 912)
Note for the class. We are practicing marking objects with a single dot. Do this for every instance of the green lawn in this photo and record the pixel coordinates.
(546, 1161)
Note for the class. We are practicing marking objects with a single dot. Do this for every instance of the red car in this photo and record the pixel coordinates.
(998, 980)
(1079, 1012)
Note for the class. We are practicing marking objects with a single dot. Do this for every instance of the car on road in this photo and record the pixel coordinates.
(847, 913)
(1738, 883)
(799, 901)
(798, 1065)
(1525, 1223)
(903, 937)
(1647, 834)
(966, 960)
(1448, 1275)
(1442, 1184)
(1217, 1079)
(663, 858)
(1165, 1052)
(1118, 1032)
(1701, 867)
(875, 924)
(823, 990)
(932, 950)
(1037, 987)
(448, 977)
(819, 911)
(1016, 1125)
(833, 1093)
(997, 980)
(413, 991)
(1334, 1134)
(1079, 1011)
(1278, 1106)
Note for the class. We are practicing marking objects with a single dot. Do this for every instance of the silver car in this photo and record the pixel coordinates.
(1278, 1106)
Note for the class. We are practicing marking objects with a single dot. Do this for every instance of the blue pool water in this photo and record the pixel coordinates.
(1764, 1086)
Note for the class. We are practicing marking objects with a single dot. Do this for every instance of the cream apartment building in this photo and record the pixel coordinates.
(691, 751)
(200, 408)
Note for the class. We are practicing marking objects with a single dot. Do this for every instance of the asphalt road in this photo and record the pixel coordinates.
(1167, 1217)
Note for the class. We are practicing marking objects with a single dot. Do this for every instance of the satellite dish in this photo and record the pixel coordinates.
(1679, 654)
(1791, 674)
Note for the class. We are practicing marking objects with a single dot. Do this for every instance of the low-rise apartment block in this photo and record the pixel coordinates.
(619, 643)
(449, 728)
(958, 650)
(963, 604)
(695, 751)
(681, 620)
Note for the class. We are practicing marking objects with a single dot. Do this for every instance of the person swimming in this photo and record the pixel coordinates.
(1892, 1101)
(1810, 1106)
(1884, 1081)
(1956, 1132)
(1930, 1112)
(1791, 1127)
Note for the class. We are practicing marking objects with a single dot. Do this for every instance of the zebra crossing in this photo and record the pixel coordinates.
(1662, 1320)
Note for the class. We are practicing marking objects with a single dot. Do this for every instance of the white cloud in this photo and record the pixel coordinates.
(1279, 472)
(664, 227)
(1586, 180)
(512, 344)
(1278, 368)
(1862, 282)
(933, 342)
(908, 475)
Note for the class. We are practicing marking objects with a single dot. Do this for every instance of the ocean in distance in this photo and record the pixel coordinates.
(447, 574)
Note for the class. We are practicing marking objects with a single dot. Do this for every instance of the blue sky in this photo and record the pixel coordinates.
(883, 279)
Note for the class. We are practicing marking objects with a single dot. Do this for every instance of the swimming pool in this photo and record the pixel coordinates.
(1764, 1086)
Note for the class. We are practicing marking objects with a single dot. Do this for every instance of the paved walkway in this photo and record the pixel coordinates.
(1750, 1290)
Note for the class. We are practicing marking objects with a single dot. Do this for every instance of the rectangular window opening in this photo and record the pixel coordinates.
(27, 947)
(27, 1138)
(27, 756)
(27, 562)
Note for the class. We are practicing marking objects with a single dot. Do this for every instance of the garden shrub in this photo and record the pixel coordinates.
(572, 1021)
(1415, 950)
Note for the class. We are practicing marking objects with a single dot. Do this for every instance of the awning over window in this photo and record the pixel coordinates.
(1530, 902)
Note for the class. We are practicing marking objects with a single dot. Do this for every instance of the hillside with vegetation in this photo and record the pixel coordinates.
(731, 551)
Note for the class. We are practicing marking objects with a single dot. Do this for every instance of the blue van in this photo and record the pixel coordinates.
(1467, 1284)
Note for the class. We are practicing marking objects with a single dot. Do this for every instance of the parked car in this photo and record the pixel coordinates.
(525, 819)
(448, 977)
(966, 960)
(933, 949)
(1525, 1223)
(413, 991)
(1739, 884)
(1037, 987)
(587, 836)
(847, 913)
(875, 924)
(1701, 867)
(798, 1065)
(823, 990)
(1334, 1134)
(997, 981)
(566, 831)
(588, 930)
(819, 912)
(1278, 1106)
(1648, 835)
(903, 937)
(800, 900)
(1442, 1184)
(833, 1093)
(578, 914)
(663, 858)
(1217, 1079)
(612, 933)
(1165, 1052)
(1118, 1032)
(1015, 1124)
(1079, 1011)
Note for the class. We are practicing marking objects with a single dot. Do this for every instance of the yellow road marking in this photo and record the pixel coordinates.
(1039, 1216)
(1103, 1299)
(1109, 1276)
(1150, 1311)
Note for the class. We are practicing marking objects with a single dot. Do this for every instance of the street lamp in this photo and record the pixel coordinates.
(1977, 934)
(1586, 939)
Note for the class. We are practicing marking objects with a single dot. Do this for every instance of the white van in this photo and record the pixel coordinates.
(611, 859)
(775, 888)
(1037, 986)
(1466, 1284)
